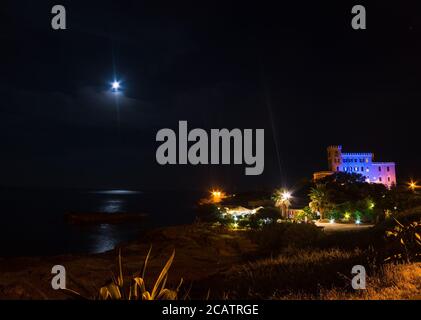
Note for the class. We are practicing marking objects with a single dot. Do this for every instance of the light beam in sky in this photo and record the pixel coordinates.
(116, 90)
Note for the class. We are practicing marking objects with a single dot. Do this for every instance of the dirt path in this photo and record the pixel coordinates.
(338, 227)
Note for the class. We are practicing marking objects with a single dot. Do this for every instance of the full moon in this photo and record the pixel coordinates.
(115, 85)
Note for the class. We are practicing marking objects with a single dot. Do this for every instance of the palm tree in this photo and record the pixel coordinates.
(282, 198)
(319, 200)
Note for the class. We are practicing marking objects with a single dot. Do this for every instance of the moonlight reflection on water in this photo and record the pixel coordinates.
(117, 192)
(39, 215)
(112, 206)
(105, 239)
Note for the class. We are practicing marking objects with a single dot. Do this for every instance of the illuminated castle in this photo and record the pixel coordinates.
(362, 163)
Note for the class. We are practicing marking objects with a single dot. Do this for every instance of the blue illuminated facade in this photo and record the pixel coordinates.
(362, 163)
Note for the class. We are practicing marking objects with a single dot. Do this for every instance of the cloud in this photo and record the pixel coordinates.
(88, 107)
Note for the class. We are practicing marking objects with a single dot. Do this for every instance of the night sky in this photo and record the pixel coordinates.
(298, 71)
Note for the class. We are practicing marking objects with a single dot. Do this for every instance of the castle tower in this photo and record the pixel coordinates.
(334, 157)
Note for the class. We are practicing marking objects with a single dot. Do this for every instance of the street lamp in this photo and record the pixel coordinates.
(217, 196)
(413, 185)
(285, 202)
(286, 195)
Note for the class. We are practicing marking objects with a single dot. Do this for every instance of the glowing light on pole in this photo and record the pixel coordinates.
(286, 195)
(283, 201)
(413, 185)
(217, 196)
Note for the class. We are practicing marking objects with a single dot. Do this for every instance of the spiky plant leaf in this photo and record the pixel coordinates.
(104, 294)
(164, 282)
(145, 263)
(179, 285)
(139, 287)
(146, 296)
(167, 294)
(114, 291)
(400, 224)
(120, 270)
(162, 275)
(73, 294)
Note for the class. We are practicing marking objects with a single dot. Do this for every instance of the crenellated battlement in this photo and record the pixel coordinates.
(338, 147)
(353, 154)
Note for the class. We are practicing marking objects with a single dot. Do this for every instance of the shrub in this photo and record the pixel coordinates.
(262, 217)
(405, 242)
(275, 237)
(268, 213)
(255, 222)
(292, 272)
(306, 212)
(208, 212)
(337, 215)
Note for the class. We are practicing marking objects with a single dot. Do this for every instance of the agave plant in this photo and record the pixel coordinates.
(408, 239)
(135, 289)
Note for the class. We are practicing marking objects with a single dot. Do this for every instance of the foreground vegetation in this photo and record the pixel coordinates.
(300, 262)
(134, 287)
(325, 275)
(297, 261)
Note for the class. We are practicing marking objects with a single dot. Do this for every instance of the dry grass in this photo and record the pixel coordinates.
(321, 274)
(391, 282)
(293, 271)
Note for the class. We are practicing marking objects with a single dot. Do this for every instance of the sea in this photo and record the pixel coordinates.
(32, 221)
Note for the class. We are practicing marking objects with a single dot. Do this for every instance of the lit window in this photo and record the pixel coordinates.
(366, 160)
(356, 168)
(367, 170)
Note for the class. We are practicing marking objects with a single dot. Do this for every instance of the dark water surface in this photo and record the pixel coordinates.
(32, 221)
